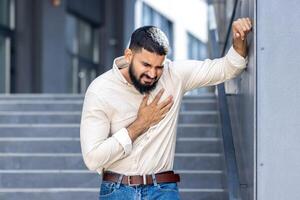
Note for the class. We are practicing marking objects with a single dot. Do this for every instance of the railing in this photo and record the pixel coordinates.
(233, 182)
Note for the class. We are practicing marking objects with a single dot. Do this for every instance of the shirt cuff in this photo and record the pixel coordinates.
(236, 59)
(123, 138)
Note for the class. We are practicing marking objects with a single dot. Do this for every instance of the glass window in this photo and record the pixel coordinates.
(82, 44)
(6, 32)
(4, 64)
(196, 49)
(152, 17)
(4, 12)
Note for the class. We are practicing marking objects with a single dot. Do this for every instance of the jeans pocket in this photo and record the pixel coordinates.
(168, 187)
(107, 188)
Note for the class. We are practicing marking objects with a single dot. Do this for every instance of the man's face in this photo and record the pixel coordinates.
(145, 69)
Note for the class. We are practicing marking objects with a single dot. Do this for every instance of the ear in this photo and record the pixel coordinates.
(128, 55)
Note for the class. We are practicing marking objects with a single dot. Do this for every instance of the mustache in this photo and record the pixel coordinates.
(148, 77)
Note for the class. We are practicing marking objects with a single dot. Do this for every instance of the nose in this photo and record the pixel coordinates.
(152, 73)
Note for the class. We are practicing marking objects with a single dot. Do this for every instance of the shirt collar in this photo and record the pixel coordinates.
(118, 64)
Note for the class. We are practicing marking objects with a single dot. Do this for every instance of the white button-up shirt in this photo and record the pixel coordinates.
(111, 104)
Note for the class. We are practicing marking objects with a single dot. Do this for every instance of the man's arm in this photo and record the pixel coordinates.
(98, 149)
(209, 72)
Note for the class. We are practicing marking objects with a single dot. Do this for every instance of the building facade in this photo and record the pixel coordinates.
(60, 46)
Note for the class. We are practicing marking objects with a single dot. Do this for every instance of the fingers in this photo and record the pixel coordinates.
(165, 102)
(158, 96)
(165, 109)
(145, 100)
(241, 28)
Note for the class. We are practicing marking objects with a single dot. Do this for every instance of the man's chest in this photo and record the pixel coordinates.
(124, 105)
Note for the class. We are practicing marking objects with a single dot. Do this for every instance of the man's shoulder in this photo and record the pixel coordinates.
(171, 68)
(101, 82)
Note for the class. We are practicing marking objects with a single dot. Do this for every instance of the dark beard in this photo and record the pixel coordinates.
(137, 84)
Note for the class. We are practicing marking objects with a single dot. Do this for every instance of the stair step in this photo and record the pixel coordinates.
(34, 161)
(49, 194)
(74, 117)
(39, 117)
(205, 161)
(193, 117)
(27, 105)
(200, 96)
(46, 180)
(39, 130)
(41, 96)
(86, 180)
(198, 104)
(31, 145)
(198, 130)
(198, 145)
(74, 161)
(72, 130)
(79, 96)
(72, 145)
(76, 105)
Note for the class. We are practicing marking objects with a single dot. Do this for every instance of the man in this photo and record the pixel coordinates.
(128, 125)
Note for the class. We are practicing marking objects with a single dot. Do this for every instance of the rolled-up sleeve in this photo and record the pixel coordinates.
(99, 147)
(209, 72)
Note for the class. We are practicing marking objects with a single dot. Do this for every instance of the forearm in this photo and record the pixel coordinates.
(135, 129)
(116, 147)
(102, 154)
(241, 47)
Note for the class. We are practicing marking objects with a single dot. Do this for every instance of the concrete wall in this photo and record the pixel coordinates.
(278, 97)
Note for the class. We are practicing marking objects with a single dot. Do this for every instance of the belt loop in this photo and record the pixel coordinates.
(154, 179)
(119, 181)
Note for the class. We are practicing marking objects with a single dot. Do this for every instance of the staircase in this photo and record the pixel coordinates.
(40, 157)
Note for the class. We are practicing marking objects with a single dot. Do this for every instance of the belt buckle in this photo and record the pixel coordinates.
(129, 179)
(144, 181)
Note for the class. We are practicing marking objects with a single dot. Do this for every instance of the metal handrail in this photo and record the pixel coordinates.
(233, 182)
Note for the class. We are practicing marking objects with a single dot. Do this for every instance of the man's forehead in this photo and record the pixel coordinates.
(151, 58)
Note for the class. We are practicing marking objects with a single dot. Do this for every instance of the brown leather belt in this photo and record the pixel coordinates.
(163, 177)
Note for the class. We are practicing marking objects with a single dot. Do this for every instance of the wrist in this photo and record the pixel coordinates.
(240, 47)
(135, 129)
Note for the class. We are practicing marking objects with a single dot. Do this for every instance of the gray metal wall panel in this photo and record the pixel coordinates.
(242, 110)
(278, 89)
(53, 52)
(128, 21)
(23, 57)
(91, 10)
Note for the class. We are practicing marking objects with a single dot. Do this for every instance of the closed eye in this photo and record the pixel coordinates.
(146, 64)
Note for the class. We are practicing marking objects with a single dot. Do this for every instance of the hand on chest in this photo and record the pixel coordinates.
(126, 105)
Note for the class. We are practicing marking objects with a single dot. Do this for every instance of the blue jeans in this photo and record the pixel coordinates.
(157, 191)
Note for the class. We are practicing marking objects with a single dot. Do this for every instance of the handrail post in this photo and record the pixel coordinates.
(229, 150)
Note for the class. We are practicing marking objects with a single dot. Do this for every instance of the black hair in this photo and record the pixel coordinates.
(150, 38)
